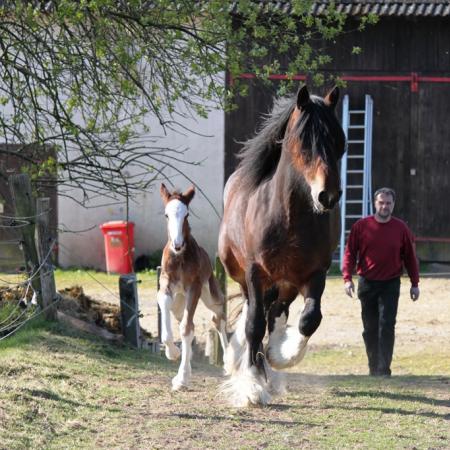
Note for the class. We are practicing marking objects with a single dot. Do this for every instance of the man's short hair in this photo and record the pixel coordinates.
(385, 191)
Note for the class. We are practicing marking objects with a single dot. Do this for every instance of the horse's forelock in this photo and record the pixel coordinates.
(316, 118)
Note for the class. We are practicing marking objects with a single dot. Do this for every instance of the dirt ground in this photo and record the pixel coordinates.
(420, 323)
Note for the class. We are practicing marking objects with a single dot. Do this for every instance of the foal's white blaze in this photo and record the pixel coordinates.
(176, 211)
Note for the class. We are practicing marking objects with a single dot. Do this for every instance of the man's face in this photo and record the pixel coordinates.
(384, 206)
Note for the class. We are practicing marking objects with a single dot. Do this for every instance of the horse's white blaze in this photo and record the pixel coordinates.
(317, 186)
(287, 346)
(176, 211)
(165, 302)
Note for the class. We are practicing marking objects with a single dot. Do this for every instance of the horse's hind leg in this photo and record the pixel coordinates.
(238, 344)
(165, 302)
(183, 376)
(214, 300)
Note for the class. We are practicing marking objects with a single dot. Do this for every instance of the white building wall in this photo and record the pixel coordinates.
(86, 248)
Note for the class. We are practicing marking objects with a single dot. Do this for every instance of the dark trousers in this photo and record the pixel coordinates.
(379, 303)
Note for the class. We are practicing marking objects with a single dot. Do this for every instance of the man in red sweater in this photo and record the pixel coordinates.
(379, 246)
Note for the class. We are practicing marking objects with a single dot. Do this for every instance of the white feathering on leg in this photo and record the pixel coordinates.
(287, 346)
(237, 345)
(246, 387)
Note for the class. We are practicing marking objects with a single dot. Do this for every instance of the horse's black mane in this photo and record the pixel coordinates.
(261, 154)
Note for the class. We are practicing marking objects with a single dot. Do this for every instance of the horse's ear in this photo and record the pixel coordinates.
(332, 98)
(165, 194)
(189, 194)
(302, 97)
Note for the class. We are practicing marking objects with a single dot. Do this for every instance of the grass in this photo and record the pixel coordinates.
(61, 389)
(83, 277)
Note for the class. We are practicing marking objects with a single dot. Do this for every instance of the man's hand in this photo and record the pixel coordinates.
(349, 288)
(414, 293)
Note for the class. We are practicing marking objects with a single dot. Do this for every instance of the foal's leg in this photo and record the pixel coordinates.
(165, 302)
(183, 376)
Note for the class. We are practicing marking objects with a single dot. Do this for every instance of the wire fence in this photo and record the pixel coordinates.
(23, 309)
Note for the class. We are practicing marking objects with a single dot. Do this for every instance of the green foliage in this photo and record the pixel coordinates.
(82, 76)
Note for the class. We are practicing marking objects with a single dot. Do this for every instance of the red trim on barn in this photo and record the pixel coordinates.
(432, 239)
(414, 78)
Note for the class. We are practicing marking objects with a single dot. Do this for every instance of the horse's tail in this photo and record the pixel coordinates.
(214, 289)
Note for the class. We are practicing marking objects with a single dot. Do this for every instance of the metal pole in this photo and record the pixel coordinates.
(345, 125)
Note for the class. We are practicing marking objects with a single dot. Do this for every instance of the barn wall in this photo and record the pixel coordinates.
(11, 255)
(411, 136)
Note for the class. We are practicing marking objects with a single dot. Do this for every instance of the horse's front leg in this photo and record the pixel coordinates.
(165, 302)
(248, 383)
(295, 344)
(183, 376)
(285, 342)
(311, 315)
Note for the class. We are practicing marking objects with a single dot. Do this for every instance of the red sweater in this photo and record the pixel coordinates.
(381, 250)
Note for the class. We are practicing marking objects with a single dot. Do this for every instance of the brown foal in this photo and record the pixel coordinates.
(186, 276)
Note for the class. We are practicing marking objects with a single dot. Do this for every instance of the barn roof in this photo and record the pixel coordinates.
(395, 8)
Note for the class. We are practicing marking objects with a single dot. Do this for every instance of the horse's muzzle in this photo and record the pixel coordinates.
(329, 199)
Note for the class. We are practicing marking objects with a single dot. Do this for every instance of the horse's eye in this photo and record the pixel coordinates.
(166, 216)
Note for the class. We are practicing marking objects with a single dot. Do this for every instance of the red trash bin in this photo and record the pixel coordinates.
(119, 246)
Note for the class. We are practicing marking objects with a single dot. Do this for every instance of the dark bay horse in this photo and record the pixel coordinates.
(279, 229)
(186, 276)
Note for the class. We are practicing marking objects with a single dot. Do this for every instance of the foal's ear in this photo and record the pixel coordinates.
(189, 194)
(165, 194)
(332, 97)
(302, 97)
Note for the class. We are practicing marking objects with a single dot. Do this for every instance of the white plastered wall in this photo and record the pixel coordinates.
(86, 249)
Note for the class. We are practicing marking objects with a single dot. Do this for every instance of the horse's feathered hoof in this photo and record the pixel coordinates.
(286, 349)
(245, 389)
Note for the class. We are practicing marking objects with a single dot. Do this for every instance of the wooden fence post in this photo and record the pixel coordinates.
(129, 310)
(25, 208)
(216, 355)
(45, 243)
(158, 285)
